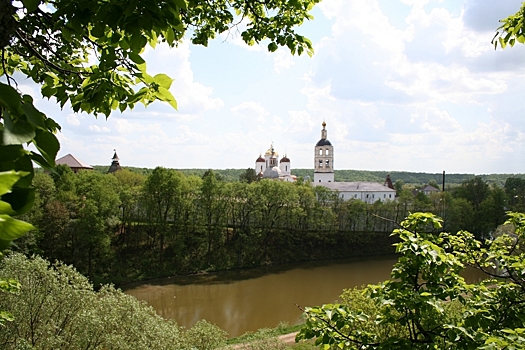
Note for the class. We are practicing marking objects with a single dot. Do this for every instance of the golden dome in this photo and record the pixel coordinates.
(271, 152)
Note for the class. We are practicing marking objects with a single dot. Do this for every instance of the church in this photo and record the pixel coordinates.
(271, 168)
(368, 192)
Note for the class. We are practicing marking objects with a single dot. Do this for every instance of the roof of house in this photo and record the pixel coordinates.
(72, 162)
(355, 186)
(429, 188)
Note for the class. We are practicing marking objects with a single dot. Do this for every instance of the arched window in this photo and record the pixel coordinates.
(327, 163)
(327, 151)
(320, 163)
(320, 151)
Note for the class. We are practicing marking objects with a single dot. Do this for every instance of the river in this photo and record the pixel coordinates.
(246, 300)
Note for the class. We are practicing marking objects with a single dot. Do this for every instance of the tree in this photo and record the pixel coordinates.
(511, 30)
(87, 54)
(515, 190)
(57, 308)
(427, 304)
(248, 176)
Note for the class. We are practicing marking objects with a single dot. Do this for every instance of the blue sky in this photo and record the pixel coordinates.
(408, 85)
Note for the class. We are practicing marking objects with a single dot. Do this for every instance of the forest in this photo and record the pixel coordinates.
(126, 226)
(408, 178)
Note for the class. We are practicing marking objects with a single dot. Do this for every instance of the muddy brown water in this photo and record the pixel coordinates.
(246, 300)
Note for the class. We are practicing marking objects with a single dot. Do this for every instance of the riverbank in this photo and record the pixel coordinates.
(240, 274)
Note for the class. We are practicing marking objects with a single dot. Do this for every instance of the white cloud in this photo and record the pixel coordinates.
(72, 119)
(250, 111)
(97, 128)
(282, 60)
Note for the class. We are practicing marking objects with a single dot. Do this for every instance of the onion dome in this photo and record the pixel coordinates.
(272, 173)
(260, 159)
(285, 159)
(271, 152)
(323, 142)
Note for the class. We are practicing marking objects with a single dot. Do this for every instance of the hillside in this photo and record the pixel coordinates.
(409, 178)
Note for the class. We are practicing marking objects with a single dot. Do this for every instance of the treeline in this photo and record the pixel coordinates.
(127, 226)
(408, 178)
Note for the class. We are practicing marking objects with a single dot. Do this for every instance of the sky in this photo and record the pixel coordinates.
(403, 85)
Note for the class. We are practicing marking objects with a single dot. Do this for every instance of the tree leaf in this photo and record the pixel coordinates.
(31, 5)
(17, 133)
(8, 179)
(9, 98)
(47, 144)
(11, 229)
(20, 199)
(163, 80)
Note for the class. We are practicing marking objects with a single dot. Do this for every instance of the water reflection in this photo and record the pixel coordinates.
(242, 301)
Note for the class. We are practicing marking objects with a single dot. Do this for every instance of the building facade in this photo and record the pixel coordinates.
(270, 167)
(368, 192)
(324, 158)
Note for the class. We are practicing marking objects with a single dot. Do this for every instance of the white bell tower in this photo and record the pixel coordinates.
(324, 159)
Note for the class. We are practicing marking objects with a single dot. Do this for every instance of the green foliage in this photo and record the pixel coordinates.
(248, 176)
(57, 308)
(205, 336)
(511, 30)
(262, 339)
(126, 226)
(427, 304)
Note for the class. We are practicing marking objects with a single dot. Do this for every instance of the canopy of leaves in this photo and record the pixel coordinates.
(427, 304)
(57, 308)
(87, 54)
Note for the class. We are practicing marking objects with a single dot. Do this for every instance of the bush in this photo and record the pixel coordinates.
(57, 308)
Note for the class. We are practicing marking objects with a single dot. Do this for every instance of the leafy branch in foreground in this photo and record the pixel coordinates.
(511, 31)
(427, 304)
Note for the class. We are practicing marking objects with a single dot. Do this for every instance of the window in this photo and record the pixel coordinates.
(384, 196)
(286, 167)
(327, 151)
(320, 163)
(327, 163)
(320, 152)
(373, 195)
(319, 180)
(390, 196)
(355, 195)
(367, 196)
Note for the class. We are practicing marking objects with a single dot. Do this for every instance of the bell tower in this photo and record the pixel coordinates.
(324, 159)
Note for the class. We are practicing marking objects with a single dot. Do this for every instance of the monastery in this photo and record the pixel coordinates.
(369, 192)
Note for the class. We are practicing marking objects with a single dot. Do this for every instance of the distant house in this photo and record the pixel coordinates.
(428, 190)
(74, 163)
